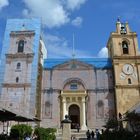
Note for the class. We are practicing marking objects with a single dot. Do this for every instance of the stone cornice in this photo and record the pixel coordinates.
(124, 57)
(16, 85)
(127, 86)
(74, 91)
(87, 90)
(74, 65)
(51, 90)
(19, 55)
(28, 57)
(100, 90)
(27, 33)
(131, 34)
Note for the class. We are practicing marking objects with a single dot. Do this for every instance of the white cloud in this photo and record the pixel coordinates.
(58, 47)
(74, 4)
(103, 53)
(3, 3)
(51, 12)
(77, 21)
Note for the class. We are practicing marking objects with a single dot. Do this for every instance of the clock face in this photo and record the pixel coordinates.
(134, 75)
(128, 69)
(122, 76)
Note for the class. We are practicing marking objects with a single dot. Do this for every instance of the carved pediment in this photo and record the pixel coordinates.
(73, 65)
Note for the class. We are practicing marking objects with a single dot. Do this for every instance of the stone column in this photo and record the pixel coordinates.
(64, 107)
(83, 113)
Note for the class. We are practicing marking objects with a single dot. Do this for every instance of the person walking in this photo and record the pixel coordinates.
(78, 127)
(92, 134)
(97, 134)
(88, 135)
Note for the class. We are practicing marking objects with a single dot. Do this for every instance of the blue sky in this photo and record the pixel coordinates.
(91, 22)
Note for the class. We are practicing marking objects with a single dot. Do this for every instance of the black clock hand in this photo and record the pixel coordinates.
(127, 68)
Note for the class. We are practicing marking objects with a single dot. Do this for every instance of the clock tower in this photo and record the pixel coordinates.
(123, 50)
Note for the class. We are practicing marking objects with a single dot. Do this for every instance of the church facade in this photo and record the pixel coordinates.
(81, 88)
(89, 90)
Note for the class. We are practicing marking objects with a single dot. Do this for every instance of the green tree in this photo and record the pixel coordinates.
(45, 133)
(133, 119)
(111, 124)
(20, 130)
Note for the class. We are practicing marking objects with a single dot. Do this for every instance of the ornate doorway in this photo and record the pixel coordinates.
(74, 113)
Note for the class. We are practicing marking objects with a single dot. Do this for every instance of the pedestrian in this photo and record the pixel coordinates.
(88, 135)
(34, 137)
(92, 134)
(102, 131)
(27, 137)
(61, 126)
(78, 127)
(73, 138)
(97, 134)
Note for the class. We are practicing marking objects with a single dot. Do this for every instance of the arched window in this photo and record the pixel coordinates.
(129, 81)
(18, 65)
(125, 47)
(17, 79)
(20, 46)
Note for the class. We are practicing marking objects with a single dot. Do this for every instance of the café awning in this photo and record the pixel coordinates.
(7, 115)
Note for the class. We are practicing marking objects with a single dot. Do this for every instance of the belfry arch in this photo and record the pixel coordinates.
(73, 102)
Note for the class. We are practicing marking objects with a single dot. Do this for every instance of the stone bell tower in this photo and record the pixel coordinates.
(17, 84)
(22, 57)
(123, 50)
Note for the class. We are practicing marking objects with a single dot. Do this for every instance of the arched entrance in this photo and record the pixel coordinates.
(74, 113)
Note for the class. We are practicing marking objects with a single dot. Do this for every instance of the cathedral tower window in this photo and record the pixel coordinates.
(17, 79)
(125, 47)
(18, 65)
(20, 46)
(129, 81)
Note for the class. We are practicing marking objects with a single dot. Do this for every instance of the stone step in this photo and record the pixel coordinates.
(60, 138)
(76, 138)
(72, 130)
(81, 135)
